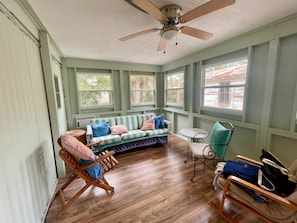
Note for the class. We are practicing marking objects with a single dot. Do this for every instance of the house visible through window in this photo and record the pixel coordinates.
(142, 89)
(224, 85)
(224, 93)
(175, 89)
(95, 89)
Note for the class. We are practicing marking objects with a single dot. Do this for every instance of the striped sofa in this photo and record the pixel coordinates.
(134, 138)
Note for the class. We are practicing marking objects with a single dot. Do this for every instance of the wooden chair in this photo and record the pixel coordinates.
(275, 209)
(107, 162)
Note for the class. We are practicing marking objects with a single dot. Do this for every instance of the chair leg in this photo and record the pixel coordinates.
(70, 202)
(72, 178)
(188, 151)
(195, 170)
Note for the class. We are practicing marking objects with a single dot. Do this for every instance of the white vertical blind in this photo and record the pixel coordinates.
(27, 165)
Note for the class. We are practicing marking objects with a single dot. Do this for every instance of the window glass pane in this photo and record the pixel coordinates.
(142, 89)
(94, 98)
(94, 89)
(225, 97)
(175, 81)
(142, 82)
(94, 81)
(224, 85)
(234, 72)
(175, 96)
(175, 89)
(142, 97)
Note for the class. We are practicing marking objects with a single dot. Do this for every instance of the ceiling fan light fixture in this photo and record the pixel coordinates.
(169, 33)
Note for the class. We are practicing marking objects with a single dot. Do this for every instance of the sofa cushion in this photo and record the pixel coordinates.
(109, 139)
(118, 129)
(159, 122)
(148, 124)
(111, 120)
(100, 129)
(131, 122)
(156, 132)
(76, 148)
(133, 134)
(144, 117)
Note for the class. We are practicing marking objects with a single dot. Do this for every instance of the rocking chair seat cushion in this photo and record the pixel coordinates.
(94, 171)
(76, 148)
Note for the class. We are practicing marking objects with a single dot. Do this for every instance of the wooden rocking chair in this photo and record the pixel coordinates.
(276, 209)
(107, 162)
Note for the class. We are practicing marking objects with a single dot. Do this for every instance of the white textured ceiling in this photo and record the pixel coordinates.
(91, 28)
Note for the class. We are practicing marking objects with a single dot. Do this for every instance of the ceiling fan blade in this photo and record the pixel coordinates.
(206, 8)
(138, 34)
(196, 32)
(162, 45)
(151, 9)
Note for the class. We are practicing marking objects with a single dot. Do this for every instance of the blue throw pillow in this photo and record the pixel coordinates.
(94, 171)
(100, 129)
(159, 122)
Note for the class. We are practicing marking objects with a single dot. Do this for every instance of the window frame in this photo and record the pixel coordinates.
(83, 107)
(153, 103)
(178, 88)
(245, 85)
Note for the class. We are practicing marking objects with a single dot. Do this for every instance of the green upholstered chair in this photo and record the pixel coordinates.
(220, 137)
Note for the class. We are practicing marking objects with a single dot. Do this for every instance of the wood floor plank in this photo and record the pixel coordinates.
(151, 185)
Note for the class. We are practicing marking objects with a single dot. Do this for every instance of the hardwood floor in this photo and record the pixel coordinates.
(151, 185)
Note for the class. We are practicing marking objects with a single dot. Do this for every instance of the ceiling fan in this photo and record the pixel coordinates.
(171, 15)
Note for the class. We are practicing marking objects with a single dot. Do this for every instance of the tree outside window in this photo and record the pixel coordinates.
(94, 89)
(142, 89)
(175, 89)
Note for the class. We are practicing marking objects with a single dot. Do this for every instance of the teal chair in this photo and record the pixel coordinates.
(220, 137)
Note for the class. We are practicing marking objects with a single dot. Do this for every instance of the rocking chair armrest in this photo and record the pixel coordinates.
(267, 194)
(249, 160)
(100, 158)
(94, 143)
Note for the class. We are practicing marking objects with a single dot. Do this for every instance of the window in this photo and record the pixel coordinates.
(175, 89)
(224, 84)
(57, 89)
(142, 89)
(94, 89)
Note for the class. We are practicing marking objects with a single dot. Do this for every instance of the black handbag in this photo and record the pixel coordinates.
(275, 175)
